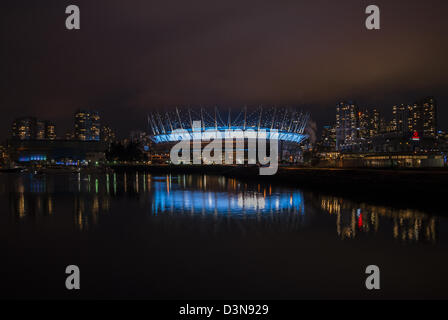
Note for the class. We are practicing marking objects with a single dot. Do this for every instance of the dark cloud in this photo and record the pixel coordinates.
(133, 56)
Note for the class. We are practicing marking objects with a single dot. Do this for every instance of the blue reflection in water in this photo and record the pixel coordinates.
(36, 185)
(166, 198)
(90, 196)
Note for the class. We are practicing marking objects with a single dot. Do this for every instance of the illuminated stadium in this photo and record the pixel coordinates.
(282, 124)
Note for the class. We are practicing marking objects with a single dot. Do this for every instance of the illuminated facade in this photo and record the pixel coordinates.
(45, 130)
(24, 128)
(284, 125)
(87, 125)
(421, 117)
(366, 131)
(107, 134)
(57, 151)
(347, 123)
(279, 124)
(400, 118)
(369, 123)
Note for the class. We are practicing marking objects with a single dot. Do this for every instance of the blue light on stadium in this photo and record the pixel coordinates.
(271, 124)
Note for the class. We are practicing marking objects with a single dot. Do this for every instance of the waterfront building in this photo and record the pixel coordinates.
(60, 152)
(87, 125)
(347, 124)
(283, 125)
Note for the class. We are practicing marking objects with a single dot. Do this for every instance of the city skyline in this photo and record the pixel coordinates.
(155, 55)
(87, 124)
(357, 136)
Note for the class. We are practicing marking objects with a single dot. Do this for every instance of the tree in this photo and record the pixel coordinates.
(129, 152)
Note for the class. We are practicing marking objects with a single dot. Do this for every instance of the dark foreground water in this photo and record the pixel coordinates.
(191, 236)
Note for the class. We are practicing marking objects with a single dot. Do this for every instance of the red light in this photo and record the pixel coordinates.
(415, 136)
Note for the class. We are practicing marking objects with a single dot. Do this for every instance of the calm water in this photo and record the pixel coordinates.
(192, 236)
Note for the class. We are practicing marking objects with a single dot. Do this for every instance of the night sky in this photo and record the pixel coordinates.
(134, 56)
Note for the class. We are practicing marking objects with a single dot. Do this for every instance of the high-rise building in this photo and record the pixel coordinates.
(429, 107)
(87, 125)
(400, 118)
(415, 118)
(107, 135)
(421, 117)
(30, 128)
(374, 122)
(364, 124)
(24, 128)
(347, 121)
(45, 130)
(328, 138)
(50, 131)
(40, 130)
(369, 123)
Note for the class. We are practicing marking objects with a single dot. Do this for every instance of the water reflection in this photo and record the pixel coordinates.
(33, 198)
(404, 224)
(91, 196)
(220, 196)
